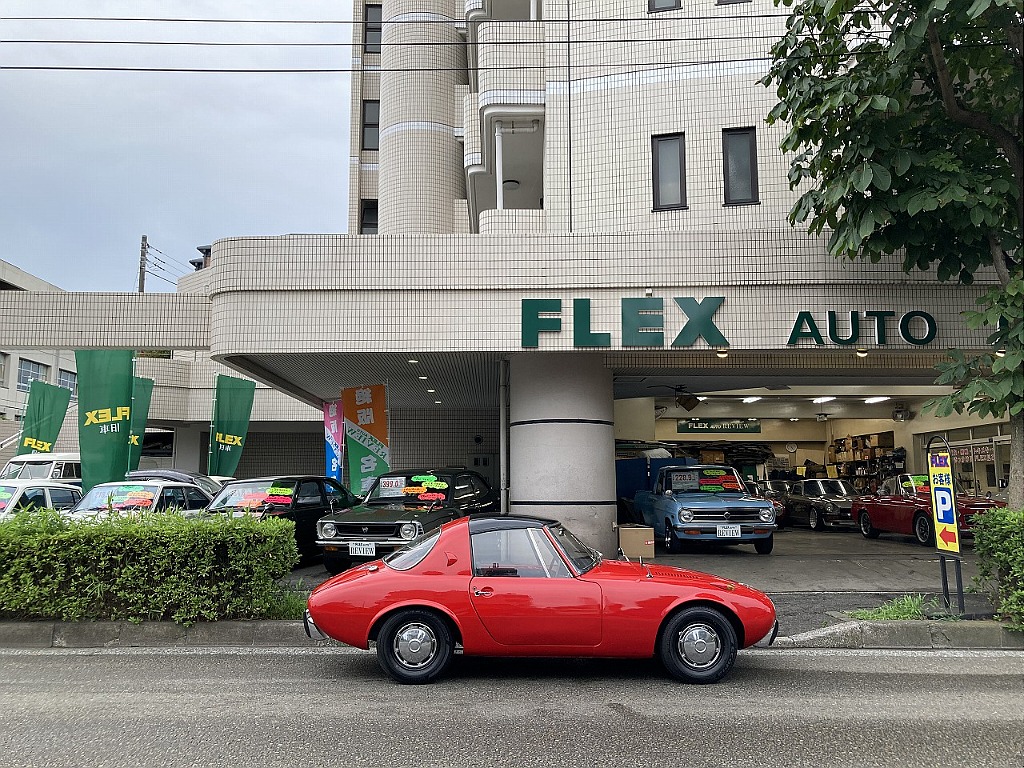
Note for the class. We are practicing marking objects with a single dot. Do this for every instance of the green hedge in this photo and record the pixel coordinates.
(999, 545)
(144, 568)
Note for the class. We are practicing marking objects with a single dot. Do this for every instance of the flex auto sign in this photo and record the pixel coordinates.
(643, 322)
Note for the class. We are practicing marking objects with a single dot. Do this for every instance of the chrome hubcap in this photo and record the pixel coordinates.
(699, 645)
(415, 645)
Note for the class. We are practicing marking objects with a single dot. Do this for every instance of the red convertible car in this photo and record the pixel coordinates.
(903, 504)
(525, 586)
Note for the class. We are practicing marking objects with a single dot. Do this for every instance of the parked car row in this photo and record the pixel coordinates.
(902, 504)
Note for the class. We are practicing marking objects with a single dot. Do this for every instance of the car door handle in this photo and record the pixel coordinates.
(485, 592)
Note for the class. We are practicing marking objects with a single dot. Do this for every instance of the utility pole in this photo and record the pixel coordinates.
(143, 253)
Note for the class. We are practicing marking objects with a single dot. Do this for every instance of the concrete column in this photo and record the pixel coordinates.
(562, 444)
(420, 161)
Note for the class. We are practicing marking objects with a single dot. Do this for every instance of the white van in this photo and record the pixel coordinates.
(63, 467)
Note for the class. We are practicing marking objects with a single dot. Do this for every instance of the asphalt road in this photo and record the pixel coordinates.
(328, 707)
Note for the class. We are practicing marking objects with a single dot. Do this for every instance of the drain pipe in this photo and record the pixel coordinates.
(503, 436)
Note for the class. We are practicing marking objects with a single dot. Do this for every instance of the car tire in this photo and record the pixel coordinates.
(868, 531)
(414, 646)
(335, 565)
(924, 531)
(764, 546)
(698, 645)
(672, 543)
(815, 520)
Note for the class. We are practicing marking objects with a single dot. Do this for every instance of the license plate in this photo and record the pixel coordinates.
(728, 531)
(364, 548)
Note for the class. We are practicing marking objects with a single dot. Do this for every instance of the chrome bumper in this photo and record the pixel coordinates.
(768, 639)
(312, 632)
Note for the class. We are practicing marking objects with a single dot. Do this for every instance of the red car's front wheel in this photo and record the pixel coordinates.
(698, 645)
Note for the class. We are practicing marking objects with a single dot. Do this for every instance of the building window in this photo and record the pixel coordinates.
(368, 217)
(371, 125)
(374, 26)
(3, 369)
(653, 6)
(29, 372)
(731, 2)
(68, 380)
(739, 152)
(669, 171)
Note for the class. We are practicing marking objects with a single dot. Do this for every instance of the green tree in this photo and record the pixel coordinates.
(905, 127)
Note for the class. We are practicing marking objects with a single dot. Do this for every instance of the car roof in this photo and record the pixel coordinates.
(41, 457)
(38, 483)
(478, 524)
(146, 481)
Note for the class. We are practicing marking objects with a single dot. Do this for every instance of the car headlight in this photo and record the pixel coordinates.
(767, 515)
(327, 530)
(409, 530)
(830, 507)
(685, 515)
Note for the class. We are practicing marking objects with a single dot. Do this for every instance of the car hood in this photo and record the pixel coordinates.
(717, 499)
(388, 513)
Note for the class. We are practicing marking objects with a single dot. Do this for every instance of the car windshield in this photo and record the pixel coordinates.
(6, 494)
(27, 470)
(705, 480)
(837, 488)
(416, 489)
(119, 496)
(247, 494)
(583, 557)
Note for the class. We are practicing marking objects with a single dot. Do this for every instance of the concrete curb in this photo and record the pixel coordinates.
(929, 634)
(925, 634)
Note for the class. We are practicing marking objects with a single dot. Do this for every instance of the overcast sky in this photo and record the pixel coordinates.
(91, 161)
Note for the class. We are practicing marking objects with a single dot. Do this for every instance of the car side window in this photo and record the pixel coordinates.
(194, 499)
(173, 498)
(463, 491)
(32, 497)
(797, 489)
(519, 552)
(309, 494)
(63, 499)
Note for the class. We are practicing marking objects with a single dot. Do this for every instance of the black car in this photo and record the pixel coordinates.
(400, 506)
(205, 482)
(820, 503)
(299, 498)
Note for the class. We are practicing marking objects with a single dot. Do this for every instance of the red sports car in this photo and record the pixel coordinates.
(903, 504)
(525, 586)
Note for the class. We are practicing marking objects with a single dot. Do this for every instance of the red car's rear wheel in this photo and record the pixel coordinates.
(414, 646)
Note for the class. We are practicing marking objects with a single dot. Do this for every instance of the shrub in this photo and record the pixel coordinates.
(999, 545)
(145, 567)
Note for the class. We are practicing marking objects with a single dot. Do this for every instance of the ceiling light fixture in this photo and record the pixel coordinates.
(861, 352)
(722, 353)
(794, 419)
(414, 361)
(873, 400)
(423, 378)
(510, 184)
(753, 399)
(1000, 353)
(826, 399)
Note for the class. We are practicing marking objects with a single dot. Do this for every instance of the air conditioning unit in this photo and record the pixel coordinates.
(822, 417)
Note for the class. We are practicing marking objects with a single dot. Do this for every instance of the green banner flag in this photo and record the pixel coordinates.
(142, 394)
(44, 416)
(232, 407)
(104, 413)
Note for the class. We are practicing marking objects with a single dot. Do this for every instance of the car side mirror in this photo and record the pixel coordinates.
(668, 492)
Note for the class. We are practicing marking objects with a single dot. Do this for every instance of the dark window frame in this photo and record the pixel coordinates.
(365, 206)
(655, 175)
(676, 5)
(730, 198)
(370, 130)
(373, 29)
